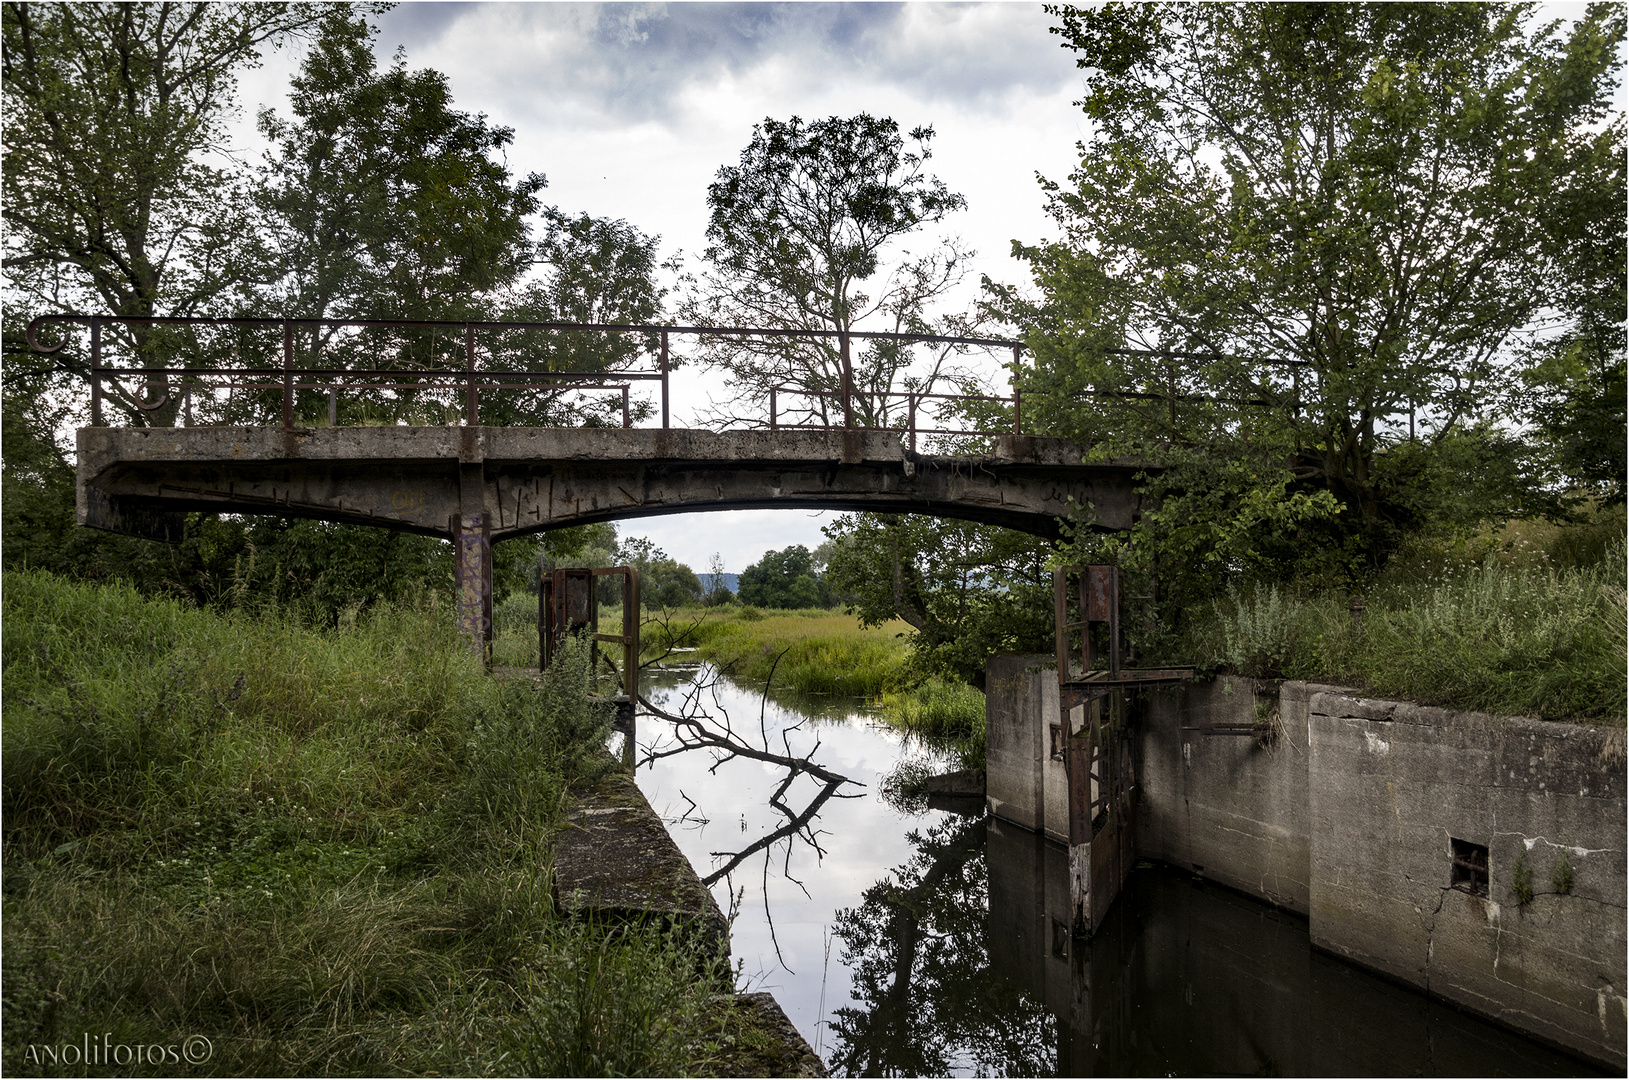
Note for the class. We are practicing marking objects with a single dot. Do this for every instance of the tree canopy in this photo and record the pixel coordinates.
(782, 579)
(1301, 257)
(798, 235)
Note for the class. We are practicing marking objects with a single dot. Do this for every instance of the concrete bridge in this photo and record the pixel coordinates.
(478, 485)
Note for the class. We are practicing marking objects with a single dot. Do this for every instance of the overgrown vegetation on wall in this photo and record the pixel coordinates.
(323, 850)
(1518, 636)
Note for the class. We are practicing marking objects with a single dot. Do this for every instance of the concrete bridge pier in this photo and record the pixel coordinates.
(474, 581)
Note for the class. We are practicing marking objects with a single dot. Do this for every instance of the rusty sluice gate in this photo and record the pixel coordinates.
(568, 603)
(1092, 736)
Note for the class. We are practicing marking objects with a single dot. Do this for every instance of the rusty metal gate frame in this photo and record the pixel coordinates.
(1097, 756)
(568, 602)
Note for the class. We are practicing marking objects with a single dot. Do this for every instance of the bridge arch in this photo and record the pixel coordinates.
(476, 486)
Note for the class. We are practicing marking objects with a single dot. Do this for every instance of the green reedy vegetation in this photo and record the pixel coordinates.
(809, 651)
(1518, 636)
(326, 850)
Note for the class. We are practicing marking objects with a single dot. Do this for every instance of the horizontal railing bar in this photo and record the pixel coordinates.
(462, 374)
(475, 324)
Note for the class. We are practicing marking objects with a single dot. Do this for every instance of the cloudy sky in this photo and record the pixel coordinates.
(630, 109)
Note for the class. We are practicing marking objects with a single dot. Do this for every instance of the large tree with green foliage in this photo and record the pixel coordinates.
(782, 579)
(1333, 227)
(799, 238)
(118, 193)
(388, 202)
(969, 591)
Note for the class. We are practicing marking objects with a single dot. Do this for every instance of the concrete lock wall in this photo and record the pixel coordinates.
(1345, 809)
(1392, 785)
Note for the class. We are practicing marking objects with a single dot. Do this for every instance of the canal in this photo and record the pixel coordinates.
(915, 939)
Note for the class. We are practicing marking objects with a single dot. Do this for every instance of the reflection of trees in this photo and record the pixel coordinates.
(698, 726)
(929, 1001)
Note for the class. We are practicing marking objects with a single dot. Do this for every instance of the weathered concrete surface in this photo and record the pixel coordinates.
(1390, 784)
(615, 860)
(1233, 808)
(534, 479)
(1020, 701)
(1345, 815)
(763, 1042)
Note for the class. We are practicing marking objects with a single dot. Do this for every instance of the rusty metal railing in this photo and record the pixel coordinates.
(288, 377)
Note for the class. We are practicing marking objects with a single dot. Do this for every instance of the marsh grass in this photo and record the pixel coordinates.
(1495, 637)
(811, 652)
(327, 850)
(945, 715)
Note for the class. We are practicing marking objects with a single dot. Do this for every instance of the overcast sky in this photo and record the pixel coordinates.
(630, 110)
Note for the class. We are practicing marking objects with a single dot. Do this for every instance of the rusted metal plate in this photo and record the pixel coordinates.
(1078, 758)
(1100, 593)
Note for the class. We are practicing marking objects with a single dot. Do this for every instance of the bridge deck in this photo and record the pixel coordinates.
(435, 480)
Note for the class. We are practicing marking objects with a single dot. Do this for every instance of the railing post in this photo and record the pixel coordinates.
(472, 407)
(1017, 402)
(848, 382)
(910, 413)
(773, 408)
(96, 372)
(664, 380)
(625, 422)
(288, 374)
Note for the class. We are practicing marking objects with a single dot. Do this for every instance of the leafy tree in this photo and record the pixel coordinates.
(797, 231)
(970, 591)
(116, 197)
(715, 592)
(781, 579)
(388, 203)
(663, 582)
(599, 270)
(1332, 224)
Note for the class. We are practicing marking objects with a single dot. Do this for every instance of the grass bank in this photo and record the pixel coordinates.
(1510, 637)
(816, 651)
(324, 851)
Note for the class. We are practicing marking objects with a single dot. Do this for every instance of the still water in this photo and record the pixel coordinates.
(909, 941)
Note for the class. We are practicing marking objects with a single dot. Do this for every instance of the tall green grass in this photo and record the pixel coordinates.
(1537, 641)
(808, 652)
(324, 850)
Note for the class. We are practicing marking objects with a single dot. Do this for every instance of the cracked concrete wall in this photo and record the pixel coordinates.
(1391, 783)
(1230, 807)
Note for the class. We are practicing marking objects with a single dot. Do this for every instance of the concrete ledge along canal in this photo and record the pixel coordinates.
(1301, 902)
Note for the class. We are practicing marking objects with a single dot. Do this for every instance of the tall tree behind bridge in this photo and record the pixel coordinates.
(798, 238)
(1363, 210)
(117, 195)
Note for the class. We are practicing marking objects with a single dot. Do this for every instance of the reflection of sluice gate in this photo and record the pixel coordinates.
(1068, 769)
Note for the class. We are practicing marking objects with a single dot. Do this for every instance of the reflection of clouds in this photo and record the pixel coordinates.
(864, 838)
(630, 63)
